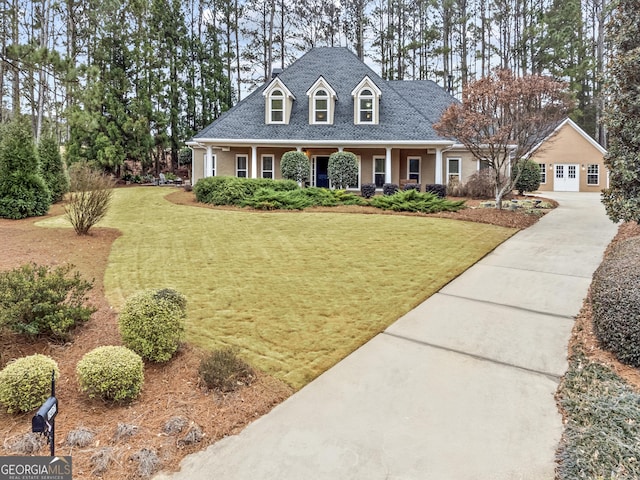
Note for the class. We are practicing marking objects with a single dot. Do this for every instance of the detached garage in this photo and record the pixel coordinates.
(571, 161)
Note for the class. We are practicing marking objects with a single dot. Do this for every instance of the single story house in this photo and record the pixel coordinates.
(328, 101)
(571, 161)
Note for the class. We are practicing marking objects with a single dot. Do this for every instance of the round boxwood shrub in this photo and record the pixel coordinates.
(615, 294)
(26, 382)
(343, 169)
(389, 188)
(152, 323)
(368, 190)
(112, 373)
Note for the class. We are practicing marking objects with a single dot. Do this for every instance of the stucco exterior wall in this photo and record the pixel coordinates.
(569, 147)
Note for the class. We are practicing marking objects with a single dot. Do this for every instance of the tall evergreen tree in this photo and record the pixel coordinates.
(23, 192)
(622, 198)
(53, 172)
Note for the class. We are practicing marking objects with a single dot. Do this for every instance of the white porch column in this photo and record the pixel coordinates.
(341, 149)
(208, 162)
(439, 165)
(254, 161)
(387, 166)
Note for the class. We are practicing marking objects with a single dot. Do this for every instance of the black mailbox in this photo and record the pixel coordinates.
(42, 421)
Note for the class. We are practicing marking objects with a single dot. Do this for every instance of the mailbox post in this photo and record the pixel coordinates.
(45, 420)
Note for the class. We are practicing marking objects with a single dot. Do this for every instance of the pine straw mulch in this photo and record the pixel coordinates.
(170, 391)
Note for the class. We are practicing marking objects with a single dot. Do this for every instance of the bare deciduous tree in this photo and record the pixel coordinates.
(502, 117)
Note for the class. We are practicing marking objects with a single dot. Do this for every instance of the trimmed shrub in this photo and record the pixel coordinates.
(152, 323)
(223, 371)
(436, 189)
(23, 192)
(529, 180)
(90, 193)
(343, 169)
(53, 171)
(26, 382)
(414, 201)
(368, 190)
(615, 293)
(267, 199)
(111, 373)
(295, 166)
(389, 189)
(39, 300)
(411, 186)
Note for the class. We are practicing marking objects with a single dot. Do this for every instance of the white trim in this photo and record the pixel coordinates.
(597, 165)
(374, 172)
(306, 143)
(366, 81)
(543, 170)
(356, 93)
(387, 166)
(246, 169)
(262, 169)
(287, 97)
(409, 173)
(459, 173)
(254, 161)
(313, 103)
(438, 172)
(577, 128)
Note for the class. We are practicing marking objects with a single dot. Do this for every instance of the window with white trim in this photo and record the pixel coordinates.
(276, 104)
(267, 166)
(543, 173)
(379, 171)
(593, 174)
(413, 169)
(366, 106)
(321, 107)
(241, 166)
(453, 170)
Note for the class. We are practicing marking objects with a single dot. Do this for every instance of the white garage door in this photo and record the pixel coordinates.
(566, 178)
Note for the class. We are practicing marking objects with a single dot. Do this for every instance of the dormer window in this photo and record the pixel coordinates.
(366, 102)
(277, 106)
(366, 106)
(322, 101)
(321, 106)
(278, 103)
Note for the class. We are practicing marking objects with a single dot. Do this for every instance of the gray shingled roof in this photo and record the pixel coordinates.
(408, 109)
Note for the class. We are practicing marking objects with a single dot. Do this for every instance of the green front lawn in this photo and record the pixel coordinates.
(296, 292)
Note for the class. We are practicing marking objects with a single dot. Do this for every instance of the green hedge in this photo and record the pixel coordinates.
(615, 293)
(233, 190)
(26, 382)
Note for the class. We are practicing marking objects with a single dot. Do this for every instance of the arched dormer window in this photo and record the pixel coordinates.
(366, 103)
(365, 100)
(322, 100)
(278, 103)
(277, 106)
(321, 106)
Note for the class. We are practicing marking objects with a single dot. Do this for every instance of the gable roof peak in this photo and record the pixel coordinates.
(321, 82)
(277, 83)
(366, 82)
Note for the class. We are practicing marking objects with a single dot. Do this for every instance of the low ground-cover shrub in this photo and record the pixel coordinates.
(222, 370)
(26, 382)
(616, 301)
(234, 191)
(40, 300)
(602, 431)
(414, 201)
(152, 323)
(112, 373)
(268, 199)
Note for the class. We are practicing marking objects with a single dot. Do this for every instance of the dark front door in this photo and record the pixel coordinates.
(322, 166)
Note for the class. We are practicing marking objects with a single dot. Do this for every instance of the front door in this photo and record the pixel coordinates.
(321, 172)
(566, 178)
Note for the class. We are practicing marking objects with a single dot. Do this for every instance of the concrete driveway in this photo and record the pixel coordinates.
(461, 387)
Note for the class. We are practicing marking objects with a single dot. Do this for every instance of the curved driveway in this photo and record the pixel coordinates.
(462, 387)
